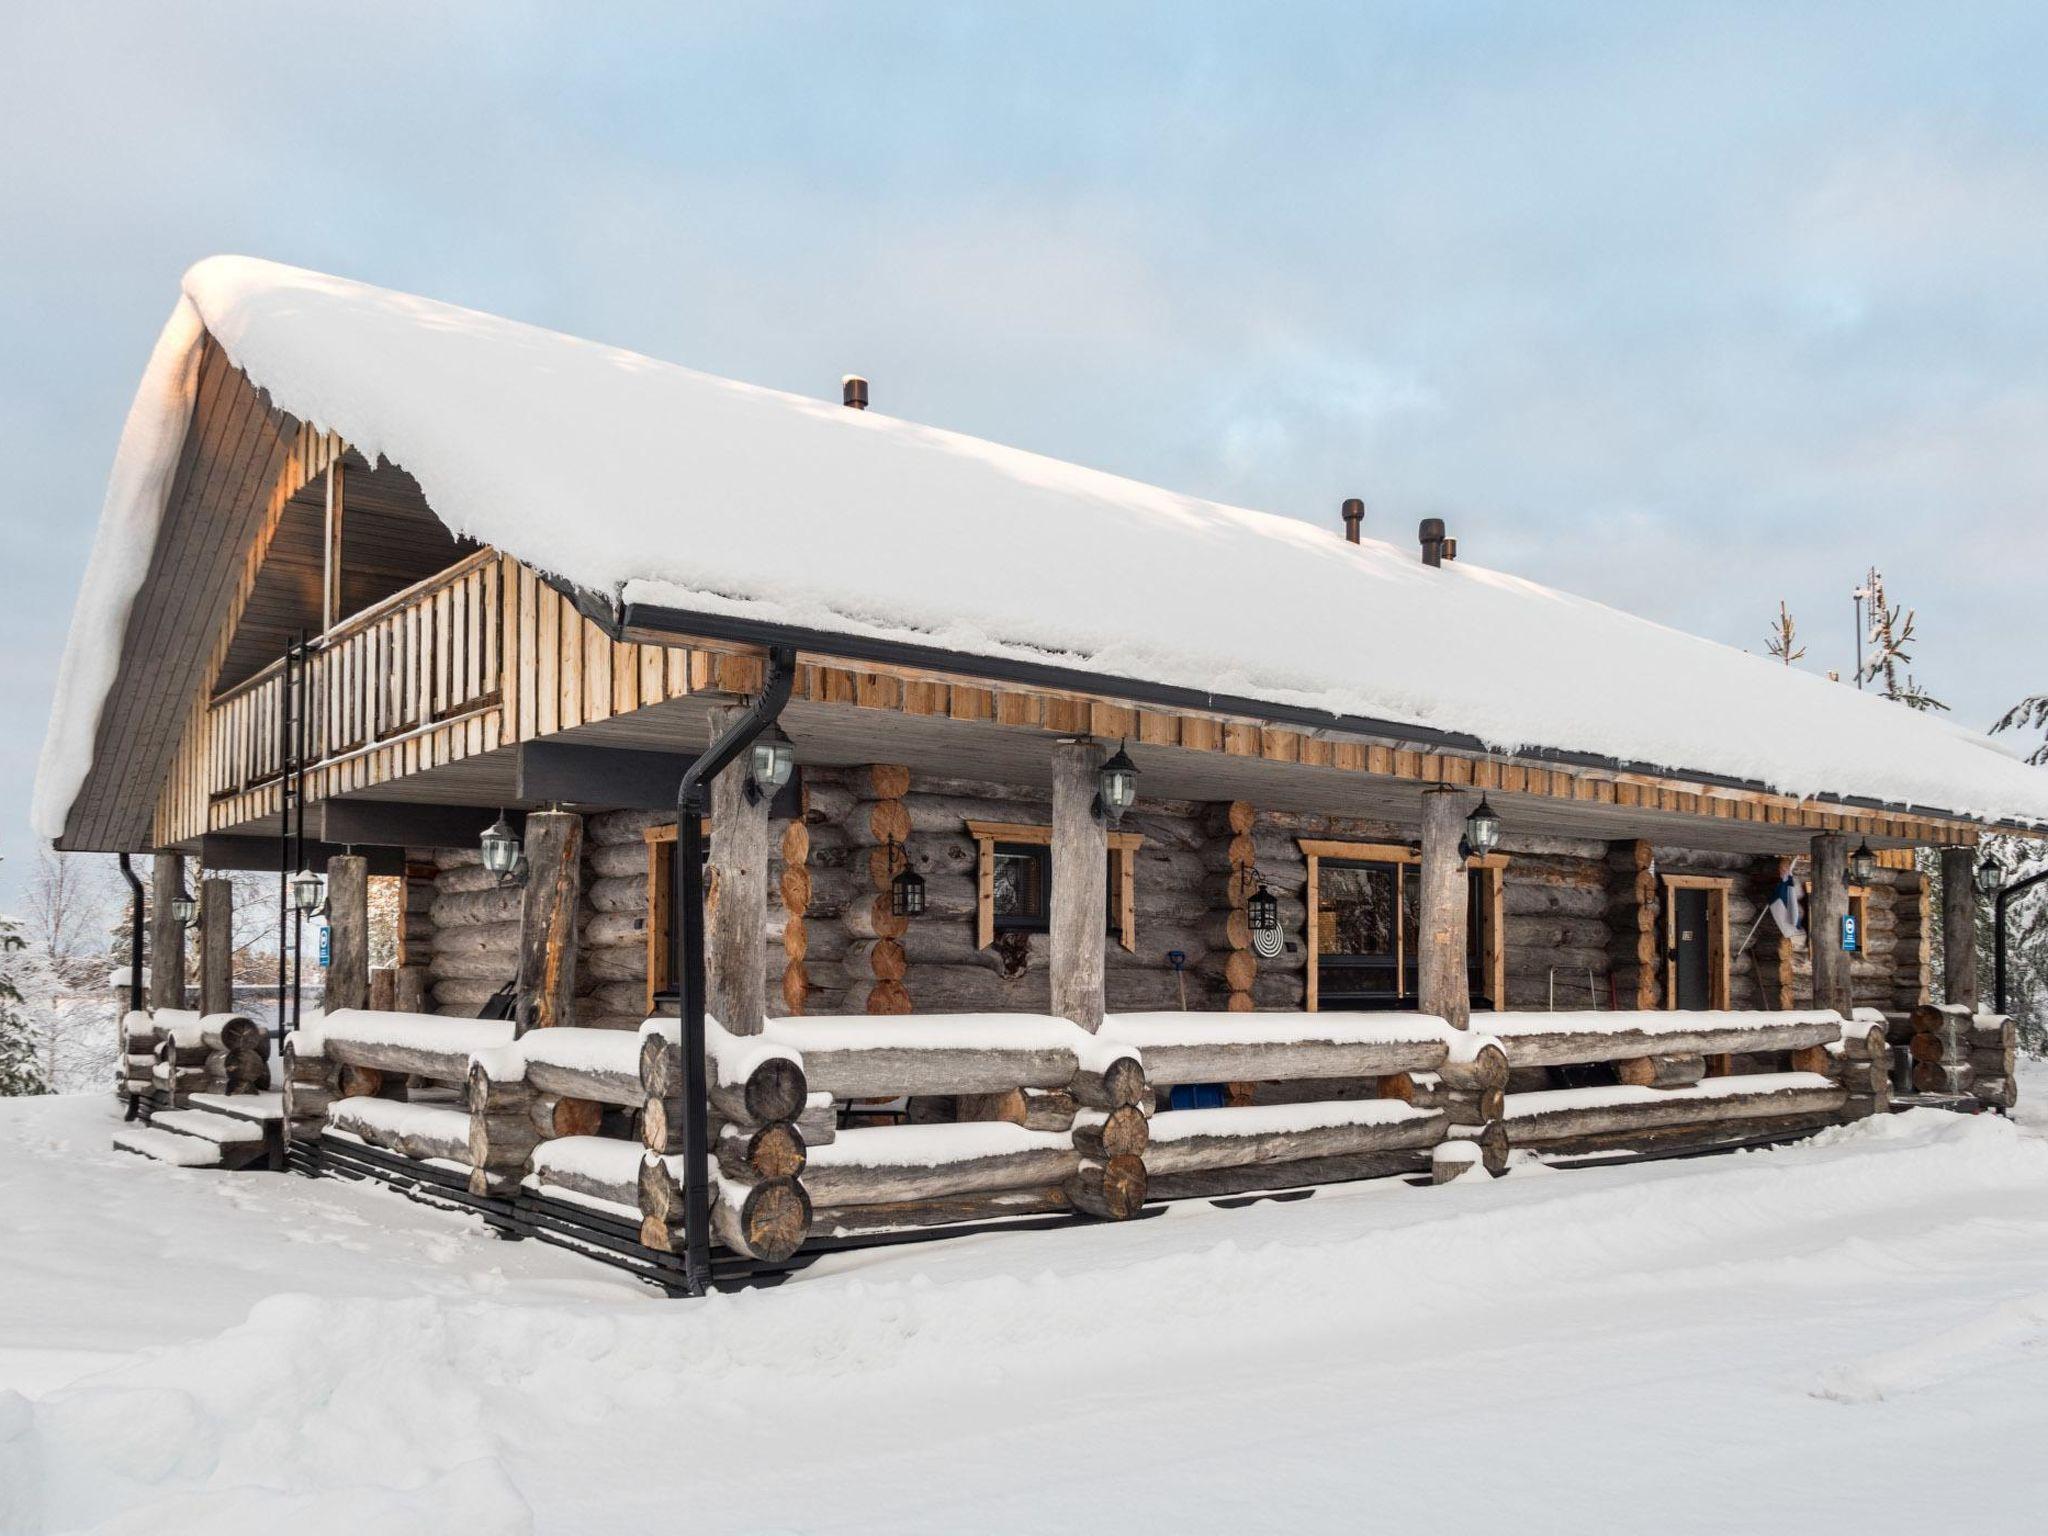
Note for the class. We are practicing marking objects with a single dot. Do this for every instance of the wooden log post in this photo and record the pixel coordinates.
(1959, 926)
(1833, 975)
(166, 934)
(736, 897)
(547, 919)
(216, 945)
(348, 932)
(1442, 987)
(1080, 888)
(1113, 1186)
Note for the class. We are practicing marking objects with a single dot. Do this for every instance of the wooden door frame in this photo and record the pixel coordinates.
(1316, 849)
(1720, 962)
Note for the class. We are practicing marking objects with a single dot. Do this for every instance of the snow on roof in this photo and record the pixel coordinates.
(666, 486)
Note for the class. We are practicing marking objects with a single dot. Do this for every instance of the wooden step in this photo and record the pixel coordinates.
(258, 1108)
(205, 1126)
(165, 1147)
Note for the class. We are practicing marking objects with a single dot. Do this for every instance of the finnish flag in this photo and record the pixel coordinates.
(1785, 909)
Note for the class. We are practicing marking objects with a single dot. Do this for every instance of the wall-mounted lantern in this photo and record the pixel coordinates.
(906, 886)
(1262, 908)
(306, 888)
(773, 761)
(500, 848)
(1116, 787)
(1863, 864)
(1482, 830)
(183, 907)
(1990, 876)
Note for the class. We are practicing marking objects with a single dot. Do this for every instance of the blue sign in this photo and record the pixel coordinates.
(1851, 940)
(327, 944)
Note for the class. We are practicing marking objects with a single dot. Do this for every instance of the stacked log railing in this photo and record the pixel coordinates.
(1956, 1053)
(1324, 1097)
(1684, 1079)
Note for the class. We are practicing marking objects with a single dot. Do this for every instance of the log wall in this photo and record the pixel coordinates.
(1576, 928)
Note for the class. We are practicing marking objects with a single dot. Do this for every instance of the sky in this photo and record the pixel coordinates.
(1690, 309)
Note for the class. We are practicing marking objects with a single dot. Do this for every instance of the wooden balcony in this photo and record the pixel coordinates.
(427, 657)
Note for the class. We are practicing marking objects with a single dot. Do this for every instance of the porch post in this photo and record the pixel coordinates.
(166, 933)
(216, 945)
(1959, 926)
(1080, 884)
(547, 919)
(1833, 983)
(348, 933)
(736, 896)
(1442, 986)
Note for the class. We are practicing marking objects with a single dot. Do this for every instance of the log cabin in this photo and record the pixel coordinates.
(813, 824)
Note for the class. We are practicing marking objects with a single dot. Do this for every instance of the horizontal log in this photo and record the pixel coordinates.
(846, 1184)
(1246, 1178)
(774, 1089)
(1568, 1047)
(419, 1132)
(1111, 1191)
(1280, 1059)
(1178, 1146)
(1563, 1115)
(1000, 1205)
(1661, 1071)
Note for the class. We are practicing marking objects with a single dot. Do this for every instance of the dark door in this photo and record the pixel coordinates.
(1358, 960)
(1689, 948)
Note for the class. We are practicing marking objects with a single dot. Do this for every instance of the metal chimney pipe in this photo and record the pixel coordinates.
(1432, 535)
(1354, 515)
(855, 390)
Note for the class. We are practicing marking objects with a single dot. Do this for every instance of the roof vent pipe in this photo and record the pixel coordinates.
(1432, 535)
(1354, 514)
(855, 390)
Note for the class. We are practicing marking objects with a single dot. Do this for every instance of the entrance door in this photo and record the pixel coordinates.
(1693, 983)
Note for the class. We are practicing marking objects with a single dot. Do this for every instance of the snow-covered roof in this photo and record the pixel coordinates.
(670, 487)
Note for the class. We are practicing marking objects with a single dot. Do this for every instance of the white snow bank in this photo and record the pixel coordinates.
(931, 1146)
(566, 454)
(1279, 1119)
(1523, 1106)
(930, 1032)
(1658, 1021)
(396, 1117)
(430, 1031)
(1232, 1029)
(592, 1157)
(582, 1050)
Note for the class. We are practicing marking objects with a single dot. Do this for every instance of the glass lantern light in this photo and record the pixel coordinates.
(773, 761)
(1990, 876)
(1863, 864)
(500, 848)
(183, 907)
(306, 891)
(1482, 830)
(906, 886)
(1262, 908)
(1116, 786)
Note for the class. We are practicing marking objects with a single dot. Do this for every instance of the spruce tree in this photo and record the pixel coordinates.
(21, 1067)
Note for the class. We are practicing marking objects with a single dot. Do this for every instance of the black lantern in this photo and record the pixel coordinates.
(906, 887)
(772, 762)
(1262, 909)
(500, 848)
(306, 891)
(183, 907)
(1863, 864)
(1116, 786)
(1990, 876)
(1482, 830)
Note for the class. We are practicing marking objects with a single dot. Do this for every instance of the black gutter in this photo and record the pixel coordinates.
(1998, 906)
(686, 954)
(617, 619)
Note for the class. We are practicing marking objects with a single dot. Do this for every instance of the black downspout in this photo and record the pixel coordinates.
(284, 832)
(134, 964)
(1998, 906)
(686, 955)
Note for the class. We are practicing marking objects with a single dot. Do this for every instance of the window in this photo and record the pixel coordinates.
(1365, 912)
(1016, 881)
(1022, 887)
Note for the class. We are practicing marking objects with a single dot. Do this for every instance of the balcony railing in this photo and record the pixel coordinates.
(430, 654)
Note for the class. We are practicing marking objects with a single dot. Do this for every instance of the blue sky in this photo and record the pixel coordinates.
(1686, 308)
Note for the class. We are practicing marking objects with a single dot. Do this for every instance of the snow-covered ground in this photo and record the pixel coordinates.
(1850, 1335)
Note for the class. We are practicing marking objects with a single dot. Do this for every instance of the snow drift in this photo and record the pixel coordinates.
(639, 478)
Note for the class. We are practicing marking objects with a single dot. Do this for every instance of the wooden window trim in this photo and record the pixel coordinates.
(1316, 849)
(1720, 959)
(1123, 848)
